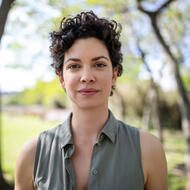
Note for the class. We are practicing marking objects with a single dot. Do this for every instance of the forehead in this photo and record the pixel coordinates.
(88, 47)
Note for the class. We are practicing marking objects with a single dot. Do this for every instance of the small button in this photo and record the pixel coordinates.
(94, 172)
(101, 137)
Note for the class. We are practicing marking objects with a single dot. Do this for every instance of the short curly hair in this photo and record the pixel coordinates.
(85, 25)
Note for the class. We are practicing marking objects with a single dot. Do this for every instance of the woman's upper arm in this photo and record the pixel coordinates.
(25, 165)
(154, 163)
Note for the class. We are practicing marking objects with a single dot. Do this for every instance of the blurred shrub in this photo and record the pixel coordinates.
(169, 110)
(48, 94)
(134, 95)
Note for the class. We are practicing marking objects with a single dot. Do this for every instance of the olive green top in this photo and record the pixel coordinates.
(115, 164)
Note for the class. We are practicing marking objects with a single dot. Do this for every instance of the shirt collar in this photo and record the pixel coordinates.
(110, 127)
(65, 133)
(110, 130)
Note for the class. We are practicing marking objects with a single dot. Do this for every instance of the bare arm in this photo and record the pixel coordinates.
(24, 166)
(154, 163)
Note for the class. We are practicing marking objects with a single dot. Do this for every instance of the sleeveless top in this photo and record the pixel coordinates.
(115, 163)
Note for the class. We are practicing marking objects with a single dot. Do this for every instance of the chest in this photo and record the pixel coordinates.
(81, 161)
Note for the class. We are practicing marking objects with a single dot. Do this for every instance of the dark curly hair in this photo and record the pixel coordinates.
(84, 25)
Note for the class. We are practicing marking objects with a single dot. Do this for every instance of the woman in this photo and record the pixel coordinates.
(91, 149)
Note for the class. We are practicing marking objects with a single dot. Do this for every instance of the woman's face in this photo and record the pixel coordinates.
(88, 75)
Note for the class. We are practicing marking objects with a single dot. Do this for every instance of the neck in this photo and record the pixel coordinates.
(88, 123)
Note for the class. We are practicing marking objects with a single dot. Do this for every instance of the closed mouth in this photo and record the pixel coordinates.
(90, 91)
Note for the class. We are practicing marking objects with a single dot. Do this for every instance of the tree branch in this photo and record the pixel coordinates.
(143, 55)
(4, 10)
(158, 11)
(165, 5)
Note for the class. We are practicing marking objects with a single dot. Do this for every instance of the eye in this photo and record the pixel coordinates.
(73, 66)
(100, 65)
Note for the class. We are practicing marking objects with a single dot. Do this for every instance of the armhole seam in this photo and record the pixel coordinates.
(37, 151)
(140, 154)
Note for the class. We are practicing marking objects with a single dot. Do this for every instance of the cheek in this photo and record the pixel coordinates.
(69, 82)
(107, 80)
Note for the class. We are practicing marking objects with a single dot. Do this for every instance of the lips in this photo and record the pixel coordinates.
(88, 91)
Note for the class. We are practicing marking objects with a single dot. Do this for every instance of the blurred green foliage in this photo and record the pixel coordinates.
(49, 94)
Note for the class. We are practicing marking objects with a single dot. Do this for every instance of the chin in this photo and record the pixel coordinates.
(90, 104)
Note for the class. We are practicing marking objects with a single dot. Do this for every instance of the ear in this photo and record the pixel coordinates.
(61, 79)
(114, 77)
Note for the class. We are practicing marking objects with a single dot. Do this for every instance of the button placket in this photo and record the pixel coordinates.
(93, 168)
(94, 172)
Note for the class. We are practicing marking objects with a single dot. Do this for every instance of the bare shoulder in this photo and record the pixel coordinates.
(150, 143)
(27, 152)
(154, 162)
(29, 146)
(25, 165)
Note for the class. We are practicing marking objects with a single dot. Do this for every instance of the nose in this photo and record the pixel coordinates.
(87, 76)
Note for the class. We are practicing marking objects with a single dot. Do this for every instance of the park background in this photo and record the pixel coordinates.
(152, 94)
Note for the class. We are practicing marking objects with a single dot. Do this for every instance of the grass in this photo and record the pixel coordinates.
(16, 130)
(175, 153)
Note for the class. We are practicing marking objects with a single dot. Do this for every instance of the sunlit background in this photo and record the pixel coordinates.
(146, 95)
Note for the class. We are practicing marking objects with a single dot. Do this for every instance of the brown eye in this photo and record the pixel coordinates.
(73, 66)
(100, 65)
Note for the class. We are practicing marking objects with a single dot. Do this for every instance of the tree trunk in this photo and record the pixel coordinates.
(184, 101)
(147, 110)
(151, 106)
(4, 10)
(186, 132)
(152, 101)
(156, 115)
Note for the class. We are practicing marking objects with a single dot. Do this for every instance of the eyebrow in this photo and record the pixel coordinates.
(93, 59)
(100, 57)
(73, 59)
